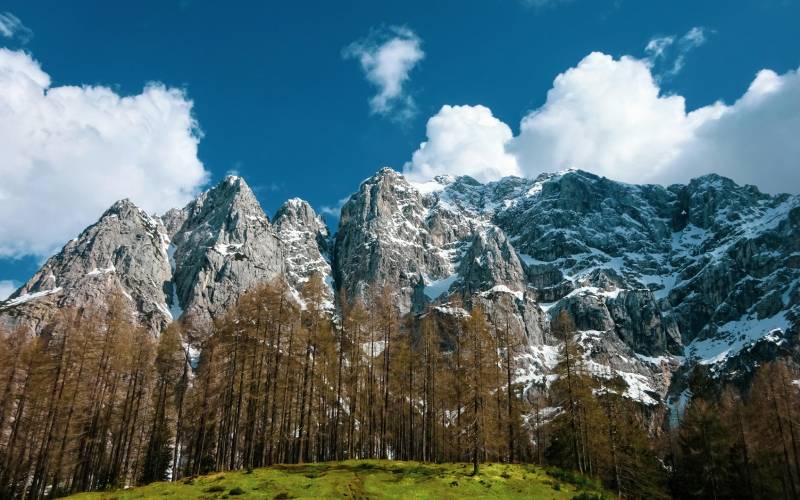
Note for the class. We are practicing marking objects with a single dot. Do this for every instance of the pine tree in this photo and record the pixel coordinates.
(572, 391)
(480, 381)
(704, 444)
(169, 365)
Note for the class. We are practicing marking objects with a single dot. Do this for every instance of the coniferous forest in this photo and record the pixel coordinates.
(96, 403)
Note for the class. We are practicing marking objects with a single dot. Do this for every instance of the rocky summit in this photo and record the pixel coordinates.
(657, 279)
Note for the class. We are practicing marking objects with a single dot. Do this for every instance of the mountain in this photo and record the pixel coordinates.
(125, 252)
(657, 279)
(192, 263)
(222, 243)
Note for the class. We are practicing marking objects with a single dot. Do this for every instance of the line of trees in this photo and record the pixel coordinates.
(739, 444)
(95, 402)
(75, 403)
(592, 427)
(727, 441)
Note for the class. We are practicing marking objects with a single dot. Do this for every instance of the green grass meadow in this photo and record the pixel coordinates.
(364, 479)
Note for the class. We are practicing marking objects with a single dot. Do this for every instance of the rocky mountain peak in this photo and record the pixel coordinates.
(382, 237)
(223, 246)
(226, 203)
(124, 205)
(306, 245)
(714, 202)
(379, 195)
(125, 253)
(299, 214)
(388, 172)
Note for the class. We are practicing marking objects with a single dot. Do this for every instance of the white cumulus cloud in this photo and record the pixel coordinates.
(606, 115)
(753, 141)
(387, 58)
(611, 117)
(468, 137)
(69, 152)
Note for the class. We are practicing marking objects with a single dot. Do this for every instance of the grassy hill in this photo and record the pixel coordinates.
(370, 479)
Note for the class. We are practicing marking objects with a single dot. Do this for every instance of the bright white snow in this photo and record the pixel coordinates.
(31, 296)
(734, 336)
(503, 289)
(102, 270)
(435, 289)
(227, 248)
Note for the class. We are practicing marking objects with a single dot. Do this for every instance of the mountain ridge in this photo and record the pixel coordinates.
(657, 279)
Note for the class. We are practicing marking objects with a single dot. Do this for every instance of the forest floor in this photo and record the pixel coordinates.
(364, 479)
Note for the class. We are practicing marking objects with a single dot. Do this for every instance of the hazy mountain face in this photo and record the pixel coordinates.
(656, 279)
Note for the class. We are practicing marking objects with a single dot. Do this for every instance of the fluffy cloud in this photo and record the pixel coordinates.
(12, 27)
(387, 58)
(69, 152)
(607, 116)
(753, 141)
(7, 287)
(466, 136)
(610, 116)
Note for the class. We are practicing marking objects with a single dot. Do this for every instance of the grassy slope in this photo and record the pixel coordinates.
(361, 479)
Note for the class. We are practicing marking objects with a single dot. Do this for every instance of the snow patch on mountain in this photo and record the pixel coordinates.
(434, 289)
(27, 297)
(103, 270)
(734, 336)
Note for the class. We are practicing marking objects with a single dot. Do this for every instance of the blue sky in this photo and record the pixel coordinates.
(278, 102)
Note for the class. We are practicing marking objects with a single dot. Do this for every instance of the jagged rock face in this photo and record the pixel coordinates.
(424, 240)
(489, 261)
(744, 268)
(640, 324)
(527, 323)
(173, 220)
(224, 246)
(587, 310)
(700, 270)
(384, 238)
(306, 245)
(125, 252)
(575, 220)
(193, 262)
